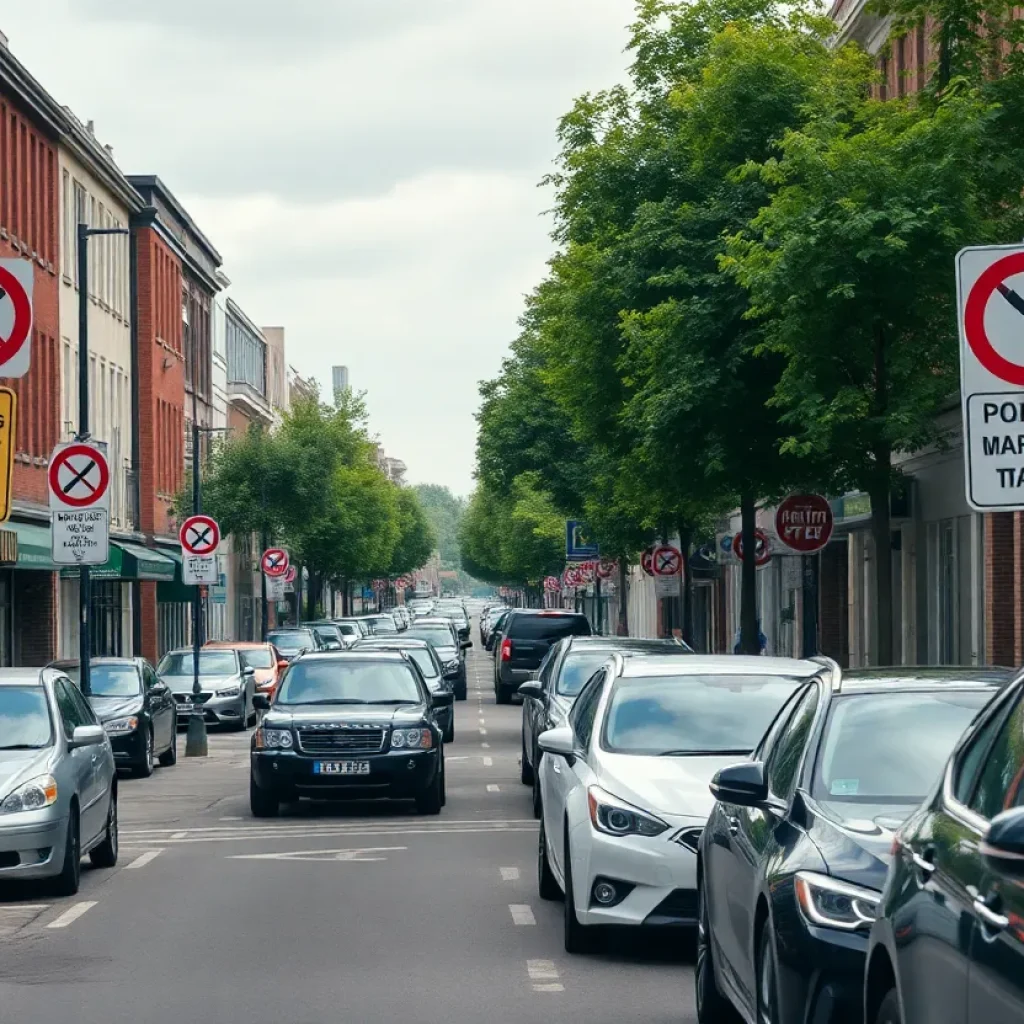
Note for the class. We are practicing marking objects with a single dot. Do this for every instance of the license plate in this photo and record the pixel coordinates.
(341, 767)
(186, 709)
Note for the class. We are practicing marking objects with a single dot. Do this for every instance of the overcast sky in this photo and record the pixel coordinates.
(367, 168)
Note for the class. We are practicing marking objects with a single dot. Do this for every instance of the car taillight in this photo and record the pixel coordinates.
(506, 650)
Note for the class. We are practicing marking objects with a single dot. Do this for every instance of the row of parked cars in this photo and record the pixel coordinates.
(845, 845)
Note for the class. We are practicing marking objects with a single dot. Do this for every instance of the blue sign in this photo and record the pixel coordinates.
(368, 594)
(579, 547)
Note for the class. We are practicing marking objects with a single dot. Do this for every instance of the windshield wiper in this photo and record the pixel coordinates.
(325, 700)
(401, 700)
(703, 753)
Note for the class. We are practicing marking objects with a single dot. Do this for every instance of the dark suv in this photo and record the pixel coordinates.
(525, 640)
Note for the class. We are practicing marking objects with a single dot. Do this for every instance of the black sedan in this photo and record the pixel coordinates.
(136, 709)
(948, 943)
(794, 856)
(349, 724)
(292, 641)
(567, 666)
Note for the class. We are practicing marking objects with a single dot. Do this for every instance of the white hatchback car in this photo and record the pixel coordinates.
(625, 783)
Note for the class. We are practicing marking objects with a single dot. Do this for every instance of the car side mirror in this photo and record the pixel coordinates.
(532, 688)
(466, 644)
(261, 702)
(741, 784)
(86, 736)
(442, 698)
(249, 671)
(1004, 841)
(560, 742)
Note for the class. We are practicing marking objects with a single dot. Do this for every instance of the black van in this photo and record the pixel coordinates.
(527, 635)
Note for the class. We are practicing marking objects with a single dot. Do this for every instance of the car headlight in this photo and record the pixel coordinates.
(830, 903)
(119, 726)
(229, 691)
(412, 739)
(274, 738)
(615, 817)
(31, 796)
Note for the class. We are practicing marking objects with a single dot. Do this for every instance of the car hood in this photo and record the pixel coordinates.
(855, 839)
(108, 708)
(183, 684)
(283, 717)
(666, 785)
(18, 766)
(447, 653)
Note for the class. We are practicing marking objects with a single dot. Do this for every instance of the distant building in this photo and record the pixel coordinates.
(339, 379)
(394, 469)
(300, 387)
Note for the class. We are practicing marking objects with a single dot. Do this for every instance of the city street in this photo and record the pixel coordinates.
(327, 914)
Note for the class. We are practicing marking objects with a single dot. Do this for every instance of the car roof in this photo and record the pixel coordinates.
(429, 620)
(105, 660)
(548, 611)
(235, 645)
(718, 664)
(631, 644)
(288, 629)
(924, 677)
(353, 654)
(21, 676)
(391, 641)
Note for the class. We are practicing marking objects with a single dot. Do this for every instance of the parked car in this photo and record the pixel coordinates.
(457, 613)
(624, 782)
(228, 687)
(947, 944)
(292, 641)
(58, 781)
(794, 855)
(566, 667)
(137, 711)
(430, 668)
(349, 724)
(265, 660)
(525, 639)
(401, 614)
(381, 624)
(487, 621)
(494, 631)
(329, 634)
(353, 628)
(445, 640)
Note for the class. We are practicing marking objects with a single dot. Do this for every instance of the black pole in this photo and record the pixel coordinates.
(84, 579)
(811, 573)
(196, 738)
(264, 610)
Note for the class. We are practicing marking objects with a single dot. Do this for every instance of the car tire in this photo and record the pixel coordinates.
(889, 1009)
(66, 883)
(262, 803)
(538, 803)
(712, 1006)
(170, 756)
(105, 855)
(143, 768)
(431, 800)
(501, 695)
(767, 994)
(578, 937)
(243, 719)
(449, 733)
(525, 768)
(547, 884)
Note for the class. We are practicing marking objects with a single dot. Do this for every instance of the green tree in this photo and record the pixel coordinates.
(444, 511)
(416, 538)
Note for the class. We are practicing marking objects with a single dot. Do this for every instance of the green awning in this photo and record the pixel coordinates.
(33, 546)
(127, 562)
(174, 590)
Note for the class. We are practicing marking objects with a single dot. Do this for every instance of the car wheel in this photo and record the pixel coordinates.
(170, 755)
(449, 733)
(767, 980)
(105, 855)
(578, 937)
(243, 718)
(261, 803)
(144, 767)
(254, 716)
(432, 800)
(889, 1010)
(66, 883)
(525, 768)
(501, 695)
(538, 804)
(547, 884)
(712, 1006)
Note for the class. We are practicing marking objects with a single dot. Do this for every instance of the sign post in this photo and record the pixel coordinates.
(804, 524)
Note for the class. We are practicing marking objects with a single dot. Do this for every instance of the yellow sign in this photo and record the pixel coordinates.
(8, 413)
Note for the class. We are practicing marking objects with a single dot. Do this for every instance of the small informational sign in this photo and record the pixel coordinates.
(80, 536)
(275, 588)
(199, 570)
(666, 586)
(579, 545)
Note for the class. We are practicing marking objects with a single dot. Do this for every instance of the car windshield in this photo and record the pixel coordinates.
(349, 682)
(439, 636)
(423, 661)
(348, 629)
(256, 657)
(327, 633)
(693, 714)
(869, 756)
(24, 718)
(547, 627)
(292, 642)
(211, 663)
(385, 624)
(109, 680)
(577, 668)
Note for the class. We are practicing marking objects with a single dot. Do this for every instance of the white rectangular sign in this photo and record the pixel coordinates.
(275, 588)
(199, 570)
(990, 313)
(80, 537)
(666, 586)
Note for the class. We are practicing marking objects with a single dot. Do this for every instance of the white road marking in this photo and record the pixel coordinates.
(492, 788)
(553, 986)
(232, 817)
(521, 913)
(483, 732)
(509, 874)
(289, 828)
(143, 859)
(541, 969)
(72, 914)
(351, 833)
(351, 855)
(179, 835)
(488, 761)
(486, 746)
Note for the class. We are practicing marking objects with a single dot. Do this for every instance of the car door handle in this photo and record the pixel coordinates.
(993, 922)
(734, 825)
(924, 864)
(556, 767)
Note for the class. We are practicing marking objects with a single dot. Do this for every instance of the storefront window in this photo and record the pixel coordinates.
(105, 619)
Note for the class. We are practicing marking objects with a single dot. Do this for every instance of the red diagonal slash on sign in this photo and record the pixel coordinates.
(79, 476)
(666, 561)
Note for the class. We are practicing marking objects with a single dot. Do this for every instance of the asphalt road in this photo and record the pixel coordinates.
(328, 915)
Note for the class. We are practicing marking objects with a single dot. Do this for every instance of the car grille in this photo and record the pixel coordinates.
(678, 908)
(341, 741)
(688, 837)
(193, 698)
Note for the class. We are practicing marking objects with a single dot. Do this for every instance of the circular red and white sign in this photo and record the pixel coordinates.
(605, 569)
(667, 561)
(291, 575)
(79, 476)
(21, 329)
(804, 522)
(647, 561)
(199, 535)
(762, 549)
(992, 279)
(552, 583)
(274, 562)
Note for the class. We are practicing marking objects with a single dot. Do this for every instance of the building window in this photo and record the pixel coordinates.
(68, 240)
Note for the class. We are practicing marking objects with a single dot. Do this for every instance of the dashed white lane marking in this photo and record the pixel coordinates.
(143, 859)
(521, 913)
(72, 914)
(509, 874)
(486, 746)
(232, 817)
(179, 835)
(552, 986)
(544, 976)
(492, 788)
(483, 732)
(488, 762)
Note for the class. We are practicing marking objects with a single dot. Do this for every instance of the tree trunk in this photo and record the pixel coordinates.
(346, 606)
(686, 584)
(749, 642)
(881, 534)
(311, 597)
(623, 626)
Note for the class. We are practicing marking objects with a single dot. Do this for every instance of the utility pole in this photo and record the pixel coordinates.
(84, 579)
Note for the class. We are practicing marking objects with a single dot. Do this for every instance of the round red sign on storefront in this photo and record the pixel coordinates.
(762, 550)
(647, 561)
(804, 523)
